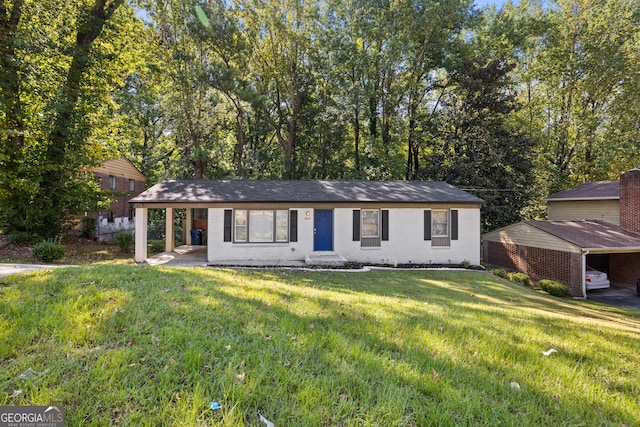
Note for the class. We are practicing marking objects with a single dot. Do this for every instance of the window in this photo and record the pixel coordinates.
(440, 224)
(132, 185)
(370, 223)
(112, 182)
(110, 216)
(241, 226)
(282, 226)
(370, 227)
(132, 214)
(261, 226)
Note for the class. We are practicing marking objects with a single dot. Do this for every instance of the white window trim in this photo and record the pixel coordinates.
(448, 227)
(362, 215)
(247, 226)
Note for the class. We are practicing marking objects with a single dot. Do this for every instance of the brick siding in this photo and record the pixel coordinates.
(630, 201)
(120, 204)
(538, 263)
(624, 269)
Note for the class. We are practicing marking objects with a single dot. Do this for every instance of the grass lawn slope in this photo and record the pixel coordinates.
(130, 345)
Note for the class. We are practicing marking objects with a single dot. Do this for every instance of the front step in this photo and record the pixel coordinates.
(325, 260)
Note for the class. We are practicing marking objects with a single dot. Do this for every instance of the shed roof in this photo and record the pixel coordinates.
(590, 234)
(258, 191)
(602, 190)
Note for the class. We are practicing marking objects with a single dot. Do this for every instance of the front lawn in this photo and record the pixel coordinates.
(131, 345)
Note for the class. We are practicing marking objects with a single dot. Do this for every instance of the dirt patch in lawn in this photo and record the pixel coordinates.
(79, 251)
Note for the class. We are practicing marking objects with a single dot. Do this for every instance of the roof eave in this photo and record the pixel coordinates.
(579, 199)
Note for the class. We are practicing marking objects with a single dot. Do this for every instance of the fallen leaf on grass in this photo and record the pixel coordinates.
(16, 393)
(514, 386)
(228, 347)
(435, 375)
(240, 377)
(550, 352)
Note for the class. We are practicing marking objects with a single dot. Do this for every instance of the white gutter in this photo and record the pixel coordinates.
(618, 250)
(584, 273)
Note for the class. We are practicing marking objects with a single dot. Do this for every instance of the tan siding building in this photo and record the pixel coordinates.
(123, 181)
(601, 210)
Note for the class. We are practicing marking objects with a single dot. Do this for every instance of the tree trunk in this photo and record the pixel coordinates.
(10, 83)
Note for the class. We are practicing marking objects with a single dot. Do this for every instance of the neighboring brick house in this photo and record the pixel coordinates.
(124, 181)
(595, 224)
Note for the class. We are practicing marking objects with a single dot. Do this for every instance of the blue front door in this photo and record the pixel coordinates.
(323, 230)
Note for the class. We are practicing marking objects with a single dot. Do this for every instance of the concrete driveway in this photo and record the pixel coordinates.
(621, 297)
(9, 269)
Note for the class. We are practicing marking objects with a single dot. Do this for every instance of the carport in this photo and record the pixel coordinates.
(561, 250)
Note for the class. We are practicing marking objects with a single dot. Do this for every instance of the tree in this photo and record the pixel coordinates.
(583, 94)
(480, 150)
(50, 68)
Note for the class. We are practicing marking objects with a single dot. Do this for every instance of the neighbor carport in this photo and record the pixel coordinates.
(561, 250)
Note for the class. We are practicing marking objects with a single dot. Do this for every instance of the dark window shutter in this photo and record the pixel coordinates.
(293, 225)
(385, 225)
(356, 225)
(454, 224)
(427, 225)
(228, 216)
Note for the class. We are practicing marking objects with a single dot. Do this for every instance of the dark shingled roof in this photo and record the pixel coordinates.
(589, 234)
(239, 191)
(603, 190)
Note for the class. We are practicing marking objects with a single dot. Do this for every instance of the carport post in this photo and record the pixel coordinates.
(584, 273)
(141, 234)
(189, 225)
(168, 244)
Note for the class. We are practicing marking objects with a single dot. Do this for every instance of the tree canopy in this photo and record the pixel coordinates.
(509, 104)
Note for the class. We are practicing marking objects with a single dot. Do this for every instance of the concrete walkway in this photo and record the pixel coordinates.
(182, 256)
(9, 269)
(196, 256)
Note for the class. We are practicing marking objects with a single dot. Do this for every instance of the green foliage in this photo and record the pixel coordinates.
(518, 277)
(125, 240)
(21, 238)
(60, 63)
(500, 272)
(553, 287)
(88, 229)
(511, 104)
(49, 251)
(156, 246)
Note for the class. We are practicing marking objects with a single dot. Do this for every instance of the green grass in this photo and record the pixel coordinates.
(128, 345)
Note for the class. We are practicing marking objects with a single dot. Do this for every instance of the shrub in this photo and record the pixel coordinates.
(21, 238)
(465, 264)
(125, 240)
(500, 272)
(88, 227)
(48, 251)
(156, 246)
(518, 277)
(552, 287)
